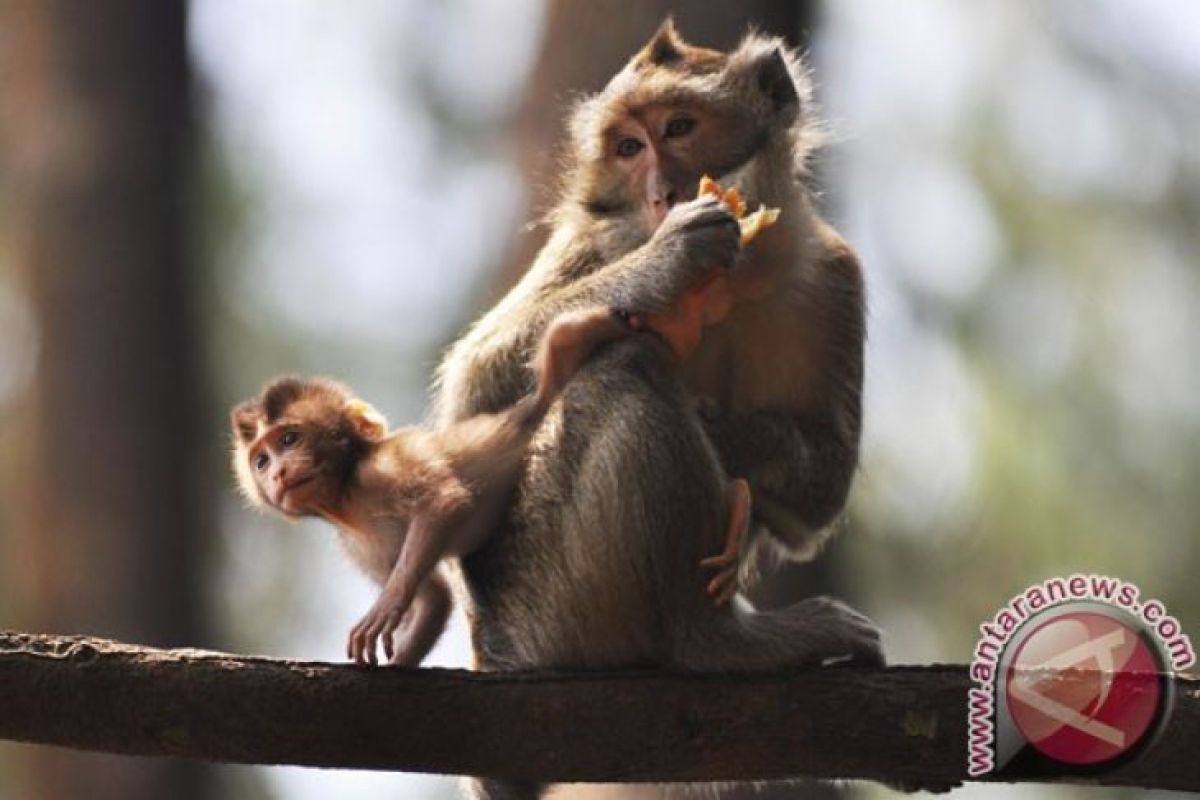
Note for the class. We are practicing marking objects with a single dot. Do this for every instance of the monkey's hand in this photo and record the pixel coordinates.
(723, 585)
(377, 626)
(699, 236)
(695, 239)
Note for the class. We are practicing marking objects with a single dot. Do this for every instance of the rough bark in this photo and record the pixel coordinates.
(902, 725)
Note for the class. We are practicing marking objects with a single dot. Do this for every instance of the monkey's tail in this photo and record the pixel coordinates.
(569, 340)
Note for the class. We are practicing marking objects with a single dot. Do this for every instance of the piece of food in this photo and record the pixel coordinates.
(750, 224)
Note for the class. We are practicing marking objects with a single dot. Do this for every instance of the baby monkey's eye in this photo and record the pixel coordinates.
(261, 461)
(629, 147)
(290, 439)
(680, 126)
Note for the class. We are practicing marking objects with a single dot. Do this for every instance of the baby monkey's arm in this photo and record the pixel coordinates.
(468, 487)
(432, 535)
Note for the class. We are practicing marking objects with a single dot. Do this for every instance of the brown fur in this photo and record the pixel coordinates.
(625, 484)
(401, 501)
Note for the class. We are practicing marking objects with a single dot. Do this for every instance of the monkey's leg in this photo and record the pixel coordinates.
(431, 535)
(811, 632)
(723, 585)
(424, 624)
(800, 469)
(568, 341)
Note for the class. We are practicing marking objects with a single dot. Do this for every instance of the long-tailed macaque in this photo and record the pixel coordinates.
(625, 488)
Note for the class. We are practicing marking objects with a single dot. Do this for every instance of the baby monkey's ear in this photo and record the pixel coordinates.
(244, 419)
(368, 422)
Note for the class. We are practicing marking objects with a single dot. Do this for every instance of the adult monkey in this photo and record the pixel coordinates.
(624, 491)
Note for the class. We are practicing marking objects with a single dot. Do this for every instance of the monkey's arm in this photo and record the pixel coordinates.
(695, 238)
(423, 625)
(432, 535)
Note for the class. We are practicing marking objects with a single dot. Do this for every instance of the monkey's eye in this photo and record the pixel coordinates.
(290, 439)
(629, 147)
(680, 126)
(261, 461)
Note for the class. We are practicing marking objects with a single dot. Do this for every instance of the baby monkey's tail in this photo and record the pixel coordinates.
(567, 343)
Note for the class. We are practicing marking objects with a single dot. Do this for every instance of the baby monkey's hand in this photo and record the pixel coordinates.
(377, 626)
(723, 586)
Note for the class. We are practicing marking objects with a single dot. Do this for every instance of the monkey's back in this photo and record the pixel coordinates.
(592, 569)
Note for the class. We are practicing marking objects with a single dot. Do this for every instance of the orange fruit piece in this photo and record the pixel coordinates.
(750, 224)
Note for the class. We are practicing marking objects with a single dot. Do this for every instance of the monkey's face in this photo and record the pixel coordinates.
(299, 444)
(289, 470)
(658, 153)
(677, 112)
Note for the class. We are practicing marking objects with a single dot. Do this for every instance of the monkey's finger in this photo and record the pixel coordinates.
(364, 639)
(363, 649)
(373, 648)
(354, 646)
(719, 560)
(729, 591)
(723, 580)
(710, 211)
(377, 625)
(380, 632)
(388, 647)
(386, 631)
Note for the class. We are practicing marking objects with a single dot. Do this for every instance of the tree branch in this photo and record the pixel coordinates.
(902, 725)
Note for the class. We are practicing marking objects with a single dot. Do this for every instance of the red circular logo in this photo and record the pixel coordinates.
(1084, 687)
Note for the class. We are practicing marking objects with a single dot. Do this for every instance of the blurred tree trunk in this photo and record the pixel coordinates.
(97, 156)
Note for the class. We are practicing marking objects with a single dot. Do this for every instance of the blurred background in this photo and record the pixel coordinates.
(193, 199)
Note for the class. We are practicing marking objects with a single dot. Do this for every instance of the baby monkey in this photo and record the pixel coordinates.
(406, 499)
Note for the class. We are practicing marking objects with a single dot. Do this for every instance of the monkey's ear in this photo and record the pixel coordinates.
(763, 67)
(664, 46)
(368, 422)
(244, 420)
(773, 78)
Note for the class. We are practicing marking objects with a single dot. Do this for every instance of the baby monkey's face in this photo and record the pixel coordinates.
(285, 469)
(297, 445)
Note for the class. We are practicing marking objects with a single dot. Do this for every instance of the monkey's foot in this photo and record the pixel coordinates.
(839, 633)
(723, 586)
